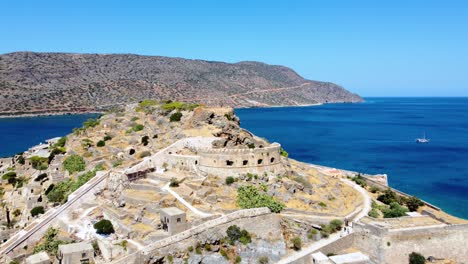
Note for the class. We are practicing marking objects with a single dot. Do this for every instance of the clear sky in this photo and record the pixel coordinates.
(374, 48)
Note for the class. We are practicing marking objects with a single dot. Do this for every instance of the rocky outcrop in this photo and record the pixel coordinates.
(33, 83)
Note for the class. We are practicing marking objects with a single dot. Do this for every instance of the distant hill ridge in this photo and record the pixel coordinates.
(32, 83)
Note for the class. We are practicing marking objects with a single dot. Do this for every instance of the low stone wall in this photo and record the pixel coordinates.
(153, 248)
(394, 246)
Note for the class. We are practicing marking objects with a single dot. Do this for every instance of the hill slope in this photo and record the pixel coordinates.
(64, 82)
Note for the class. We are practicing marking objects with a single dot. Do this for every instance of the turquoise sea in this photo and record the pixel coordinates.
(372, 137)
(378, 136)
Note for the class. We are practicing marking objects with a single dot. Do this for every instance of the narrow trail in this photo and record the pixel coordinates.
(184, 202)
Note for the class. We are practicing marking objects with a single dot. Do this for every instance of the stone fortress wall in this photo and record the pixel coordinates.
(221, 162)
(394, 245)
(226, 162)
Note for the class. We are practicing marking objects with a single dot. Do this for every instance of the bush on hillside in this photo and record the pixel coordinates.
(251, 197)
(101, 143)
(416, 258)
(230, 180)
(414, 203)
(395, 210)
(39, 163)
(297, 243)
(104, 227)
(37, 211)
(74, 163)
(175, 117)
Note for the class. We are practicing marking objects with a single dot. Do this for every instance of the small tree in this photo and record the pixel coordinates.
(37, 211)
(416, 258)
(104, 227)
(101, 143)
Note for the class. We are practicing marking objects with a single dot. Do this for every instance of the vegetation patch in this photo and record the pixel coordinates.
(284, 153)
(39, 163)
(59, 192)
(234, 233)
(74, 163)
(179, 106)
(251, 197)
(359, 180)
(50, 242)
(297, 243)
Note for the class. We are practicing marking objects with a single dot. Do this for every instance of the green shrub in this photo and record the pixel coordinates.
(414, 203)
(117, 163)
(101, 143)
(230, 180)
(375, 189)
(238, 259)
(92, 122)
(87, 143)
(311, 233)
(107, 138)
(74, 163)
(61, 142)
(359, 180)
(50, 242)
(322, 204)
(104, 227)
(336, 224)
(245, 237)
(135, 118)
(283, 152)
(207, 247)
(137, 127)
(416, 258)
(37, 211)
(21, 160)
(251, 145)
(59, 193)
(179, 106)
(39, 163)
(374, 213)
(388, 197)
(395, 210)
(190, 249)
(251, 197)
(146, 106)
(297, 243)
(14, 262)
(233, 233)
(198, 250)
(10, 177)
(175, 117)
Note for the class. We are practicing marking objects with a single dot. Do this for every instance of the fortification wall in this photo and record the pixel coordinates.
(226, 162)
(176, 240)
(394, 246)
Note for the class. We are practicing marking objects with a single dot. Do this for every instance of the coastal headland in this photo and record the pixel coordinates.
(184, 182)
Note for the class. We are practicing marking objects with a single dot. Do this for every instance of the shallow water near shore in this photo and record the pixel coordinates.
(378, 136)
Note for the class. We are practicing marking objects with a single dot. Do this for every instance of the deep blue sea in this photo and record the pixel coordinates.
(19, 134)
(378, 136)
(372, 137)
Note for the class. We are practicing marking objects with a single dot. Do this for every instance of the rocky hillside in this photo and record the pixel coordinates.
(59, 82)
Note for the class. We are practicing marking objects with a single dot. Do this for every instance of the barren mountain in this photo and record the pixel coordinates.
(32, 83)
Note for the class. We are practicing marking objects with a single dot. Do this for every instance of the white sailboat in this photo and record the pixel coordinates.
(423, 140)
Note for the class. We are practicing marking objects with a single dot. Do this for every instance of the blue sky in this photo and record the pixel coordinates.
(374, 48)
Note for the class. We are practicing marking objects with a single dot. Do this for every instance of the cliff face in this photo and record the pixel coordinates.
(62, 82)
